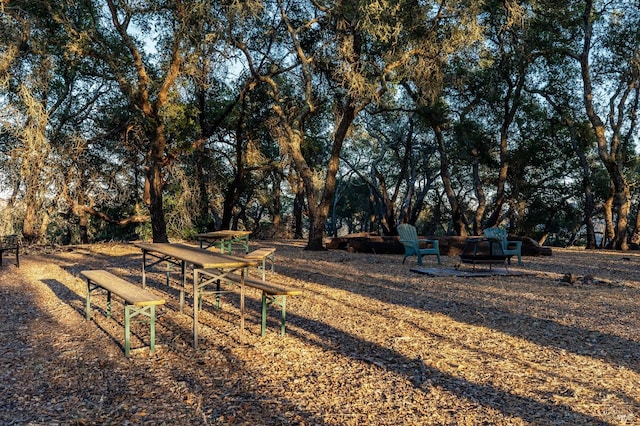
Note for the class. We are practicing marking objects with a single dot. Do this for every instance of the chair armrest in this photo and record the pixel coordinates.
(517, 244)
(425, 241)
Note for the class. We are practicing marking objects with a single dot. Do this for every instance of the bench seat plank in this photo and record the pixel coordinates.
(132, 294)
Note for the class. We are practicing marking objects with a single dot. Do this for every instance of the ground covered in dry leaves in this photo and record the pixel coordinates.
(369, 342)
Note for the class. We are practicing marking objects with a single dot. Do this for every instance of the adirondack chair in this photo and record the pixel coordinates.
(510, 248)
(411, 242)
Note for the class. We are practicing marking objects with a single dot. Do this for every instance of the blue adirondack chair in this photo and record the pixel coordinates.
(411, 242)
(509, 247)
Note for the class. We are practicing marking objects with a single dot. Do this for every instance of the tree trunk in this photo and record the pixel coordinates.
(635, 236)
(607, 154)
(231, 197)
(609, 231)
(459, 221)
(319, 195)
(203, 195)
(276, 209)
(156, 209)
(298, 209)
(315, 241)
(479, 191)
(589, 207)
(502, 180)
(30, 230)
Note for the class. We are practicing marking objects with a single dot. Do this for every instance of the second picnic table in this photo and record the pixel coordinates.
(210, 266)
(227, 239)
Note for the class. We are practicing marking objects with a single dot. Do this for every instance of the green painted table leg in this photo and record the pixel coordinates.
(88, 307)
(153, 328)
(264, 315)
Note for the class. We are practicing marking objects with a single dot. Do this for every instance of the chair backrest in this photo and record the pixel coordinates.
(496, 234)
(408, 235)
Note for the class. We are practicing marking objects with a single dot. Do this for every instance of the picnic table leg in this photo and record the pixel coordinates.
(242, 290)
(263, 328)
(243, 241)
(144, 268)
(153, 328)
(183, 269)
(218, 294)
(195, 308)
(88, 307)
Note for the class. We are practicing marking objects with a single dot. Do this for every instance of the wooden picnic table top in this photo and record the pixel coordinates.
(226, 233)
(198, 257)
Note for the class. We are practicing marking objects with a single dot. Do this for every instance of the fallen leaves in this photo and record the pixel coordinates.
(369, 342)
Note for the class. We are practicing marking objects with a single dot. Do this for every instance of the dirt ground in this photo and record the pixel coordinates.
(368, 343)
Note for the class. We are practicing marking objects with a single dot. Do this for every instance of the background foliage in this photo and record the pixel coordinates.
(155, 120)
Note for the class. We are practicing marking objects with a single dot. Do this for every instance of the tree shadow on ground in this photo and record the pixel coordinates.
(605, 346)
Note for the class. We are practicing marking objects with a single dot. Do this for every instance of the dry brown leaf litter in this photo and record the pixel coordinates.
(369, 342)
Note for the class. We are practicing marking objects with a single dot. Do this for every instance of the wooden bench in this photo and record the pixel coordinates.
(137, 301)
(271, 295)
(263, 254)
(10, 243)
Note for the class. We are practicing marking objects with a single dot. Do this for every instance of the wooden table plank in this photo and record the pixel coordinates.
(194, 255)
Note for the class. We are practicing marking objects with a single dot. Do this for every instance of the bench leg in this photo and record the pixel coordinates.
(183, 270)
(131, 311)
(152, 332)
(268, 258)
(263, 328)
(196, 301)
(87, 310)
(217, 295)
(127, 330)
(274, 300)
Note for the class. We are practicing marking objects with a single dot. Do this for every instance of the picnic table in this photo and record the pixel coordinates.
(217, 266)
(226, 238)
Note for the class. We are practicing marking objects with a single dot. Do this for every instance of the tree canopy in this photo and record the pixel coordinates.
(160, 119)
